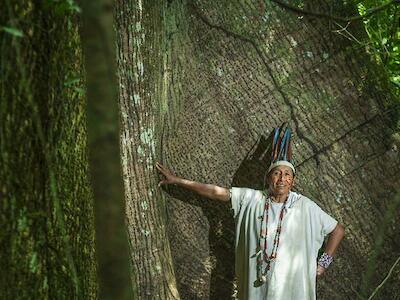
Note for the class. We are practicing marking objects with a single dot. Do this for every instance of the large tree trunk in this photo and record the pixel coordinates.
(232, 71)
(47, 229)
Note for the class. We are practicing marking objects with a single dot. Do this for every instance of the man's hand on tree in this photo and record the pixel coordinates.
(170, 178)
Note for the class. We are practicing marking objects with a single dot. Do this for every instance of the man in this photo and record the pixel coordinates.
(278, 232)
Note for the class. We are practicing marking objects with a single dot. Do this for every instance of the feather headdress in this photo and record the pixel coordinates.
(281, 154)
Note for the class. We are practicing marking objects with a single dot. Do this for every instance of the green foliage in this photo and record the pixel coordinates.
(61, 7)
(13, 31)
(75, 83)
(384, 33)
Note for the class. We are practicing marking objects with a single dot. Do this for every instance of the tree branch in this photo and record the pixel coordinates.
(386, 278)
(332, 17)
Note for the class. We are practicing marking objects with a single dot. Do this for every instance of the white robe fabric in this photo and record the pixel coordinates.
(304, 226)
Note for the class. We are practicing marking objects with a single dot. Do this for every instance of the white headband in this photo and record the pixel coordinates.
(281, 163)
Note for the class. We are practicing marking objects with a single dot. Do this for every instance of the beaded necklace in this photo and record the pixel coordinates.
(262, 253)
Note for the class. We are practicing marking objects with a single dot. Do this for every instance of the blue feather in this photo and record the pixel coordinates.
(287, 143)
(282, 146)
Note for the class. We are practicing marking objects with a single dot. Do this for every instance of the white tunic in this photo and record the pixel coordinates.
(304, 226)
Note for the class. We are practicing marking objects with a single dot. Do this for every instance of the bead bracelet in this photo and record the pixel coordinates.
(325, 260)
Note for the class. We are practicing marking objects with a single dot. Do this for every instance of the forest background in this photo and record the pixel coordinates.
(174, 67)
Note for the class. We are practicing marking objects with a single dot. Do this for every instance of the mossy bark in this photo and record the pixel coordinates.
(47, 227)
(247, 67)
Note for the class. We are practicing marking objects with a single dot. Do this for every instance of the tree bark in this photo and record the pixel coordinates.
(142, 59)
(242, 68)
(46, 215)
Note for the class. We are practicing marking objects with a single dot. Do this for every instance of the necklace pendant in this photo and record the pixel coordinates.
(263, 278)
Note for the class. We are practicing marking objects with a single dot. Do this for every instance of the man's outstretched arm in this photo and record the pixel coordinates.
(207, 190)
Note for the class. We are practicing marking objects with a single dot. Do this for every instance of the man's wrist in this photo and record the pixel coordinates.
(176, 180)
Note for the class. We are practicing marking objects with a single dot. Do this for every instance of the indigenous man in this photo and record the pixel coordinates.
(278, 232)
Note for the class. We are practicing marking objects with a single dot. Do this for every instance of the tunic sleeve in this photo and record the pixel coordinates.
(328, 223)
(238, 199)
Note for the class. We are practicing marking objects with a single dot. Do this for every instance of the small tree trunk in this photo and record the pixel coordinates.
(141, 32)
(103, 132)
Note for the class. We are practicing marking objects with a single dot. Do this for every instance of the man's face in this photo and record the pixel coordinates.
(280, 180)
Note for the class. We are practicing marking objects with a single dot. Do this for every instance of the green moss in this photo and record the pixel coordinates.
(46, 213)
